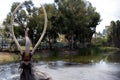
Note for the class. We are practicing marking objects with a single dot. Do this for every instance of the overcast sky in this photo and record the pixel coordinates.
(5, 6)
(108, 9)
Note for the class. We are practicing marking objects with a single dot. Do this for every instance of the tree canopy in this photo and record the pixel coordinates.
(113, 33)
(76, 19)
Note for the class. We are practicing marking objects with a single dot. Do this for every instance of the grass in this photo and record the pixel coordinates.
(108, 49)
(97, 50)
(7, 57)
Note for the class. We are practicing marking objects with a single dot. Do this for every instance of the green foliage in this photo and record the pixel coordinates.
(76, 19)
(113, 33)
(100, 41)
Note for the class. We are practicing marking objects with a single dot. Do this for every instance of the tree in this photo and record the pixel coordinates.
(113, 33)
(78, 20)
(26, 17)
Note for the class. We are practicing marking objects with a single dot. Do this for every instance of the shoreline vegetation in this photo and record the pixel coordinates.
(84, 55)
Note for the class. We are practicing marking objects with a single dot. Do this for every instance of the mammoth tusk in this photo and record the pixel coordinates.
(44, 31)
(12, 28)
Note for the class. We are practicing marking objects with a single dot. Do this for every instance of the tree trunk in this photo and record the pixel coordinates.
(50, 43)
(72, 42)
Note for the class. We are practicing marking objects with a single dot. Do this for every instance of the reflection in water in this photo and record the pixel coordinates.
(105, 57)
(61, 71)
(114, 57)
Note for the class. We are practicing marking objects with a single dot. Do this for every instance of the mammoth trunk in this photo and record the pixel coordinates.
(27, 45)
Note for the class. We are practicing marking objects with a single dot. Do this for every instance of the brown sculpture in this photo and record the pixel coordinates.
(28, 73)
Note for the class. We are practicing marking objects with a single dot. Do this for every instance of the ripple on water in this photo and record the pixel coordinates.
(97, 71)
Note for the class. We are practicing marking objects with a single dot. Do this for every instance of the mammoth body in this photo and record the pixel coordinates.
(29, 72)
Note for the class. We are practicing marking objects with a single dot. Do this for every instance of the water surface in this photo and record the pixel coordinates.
(106, 68)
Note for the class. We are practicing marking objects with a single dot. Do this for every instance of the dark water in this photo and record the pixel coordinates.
(107, 68)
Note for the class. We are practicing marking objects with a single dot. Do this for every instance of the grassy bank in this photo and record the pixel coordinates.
(108, 49)
(97, 50)
(84, 55)
(6, 57)
(81, 55)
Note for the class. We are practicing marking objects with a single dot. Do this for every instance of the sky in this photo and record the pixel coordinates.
(5, 6)
(108, 9)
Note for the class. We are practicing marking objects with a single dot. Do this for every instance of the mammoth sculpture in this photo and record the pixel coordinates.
(28, 73)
